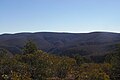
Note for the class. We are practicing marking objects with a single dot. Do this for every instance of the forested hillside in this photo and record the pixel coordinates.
(86, 44)
(34, 64)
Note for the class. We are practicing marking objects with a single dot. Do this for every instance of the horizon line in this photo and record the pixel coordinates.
(56, 32)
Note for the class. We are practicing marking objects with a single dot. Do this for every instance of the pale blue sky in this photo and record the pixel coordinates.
(59, 15)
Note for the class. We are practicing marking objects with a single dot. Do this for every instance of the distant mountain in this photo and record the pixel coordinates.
(95, 43)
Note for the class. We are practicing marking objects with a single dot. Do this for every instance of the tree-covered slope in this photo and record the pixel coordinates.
(95, 43)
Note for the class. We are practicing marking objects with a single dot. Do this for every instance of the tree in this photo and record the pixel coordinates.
(115, 61)
(29, 47)
(3, 53)
(79, 59)
(92, 71)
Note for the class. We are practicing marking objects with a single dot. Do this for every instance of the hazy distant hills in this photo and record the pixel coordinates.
(95, 43)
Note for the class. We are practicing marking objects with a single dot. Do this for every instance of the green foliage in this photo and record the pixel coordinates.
(79, 59)
(38, 65)
(29, 47)
(114, 60)
(115, 72)
(3, 53)
(42, 66)
(92, 71)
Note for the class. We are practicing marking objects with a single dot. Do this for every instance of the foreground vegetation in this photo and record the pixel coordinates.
(35, 64)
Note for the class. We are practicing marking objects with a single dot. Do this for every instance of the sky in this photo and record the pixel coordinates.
(76, 16)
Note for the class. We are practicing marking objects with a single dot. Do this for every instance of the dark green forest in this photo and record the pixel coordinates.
(34, 64)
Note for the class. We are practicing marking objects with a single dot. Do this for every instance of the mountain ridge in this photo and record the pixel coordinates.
(93, 43)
